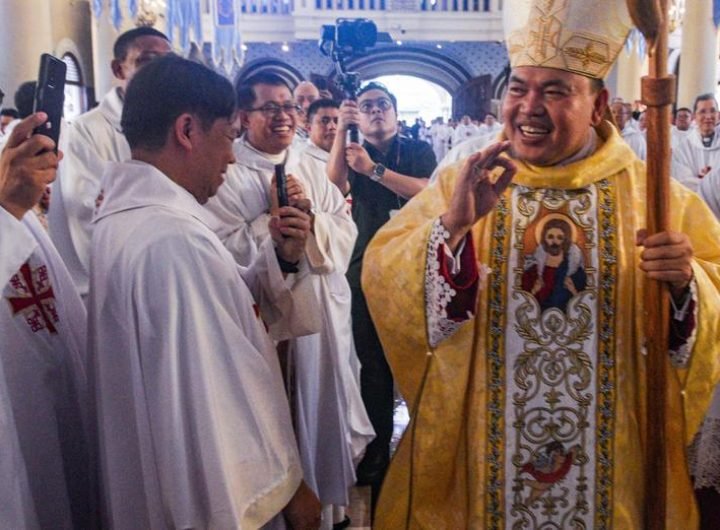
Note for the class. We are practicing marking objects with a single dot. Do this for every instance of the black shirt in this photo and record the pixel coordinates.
(372, 202)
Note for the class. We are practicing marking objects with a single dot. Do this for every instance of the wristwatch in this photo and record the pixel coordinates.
(378, 172)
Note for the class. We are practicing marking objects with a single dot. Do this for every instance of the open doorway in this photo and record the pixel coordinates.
(417, 98)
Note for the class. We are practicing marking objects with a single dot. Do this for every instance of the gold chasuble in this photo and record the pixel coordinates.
(531, 414)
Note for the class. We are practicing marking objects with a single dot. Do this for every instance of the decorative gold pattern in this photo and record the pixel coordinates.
(606, 356)
(573, 36)
(551, 397)
(495, 461)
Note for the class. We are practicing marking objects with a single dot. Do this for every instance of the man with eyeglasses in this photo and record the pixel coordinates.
(382, 174)
(622, 113)
(699, 151)
(319, 369)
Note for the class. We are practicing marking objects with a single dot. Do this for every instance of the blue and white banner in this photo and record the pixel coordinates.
(184, 15)
(97, 7)
(116, 13)
(227, 42)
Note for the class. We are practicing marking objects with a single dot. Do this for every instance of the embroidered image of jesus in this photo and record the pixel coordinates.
(555, 271)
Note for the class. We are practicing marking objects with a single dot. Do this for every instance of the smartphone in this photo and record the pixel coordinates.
(50, 95)
(281, 182)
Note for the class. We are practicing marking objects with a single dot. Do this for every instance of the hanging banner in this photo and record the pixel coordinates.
(97, 8)
(184, 15)
(227, 44)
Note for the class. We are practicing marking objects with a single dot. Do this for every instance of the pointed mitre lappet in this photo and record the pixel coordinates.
(579, 36)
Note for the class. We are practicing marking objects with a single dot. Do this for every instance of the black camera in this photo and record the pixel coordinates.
(349, 37)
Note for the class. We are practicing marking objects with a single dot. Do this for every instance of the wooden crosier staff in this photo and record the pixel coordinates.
(658, 93)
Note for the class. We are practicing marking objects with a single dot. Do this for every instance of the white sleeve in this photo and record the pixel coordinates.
(289, 306)
(16, 244)
(330, 247)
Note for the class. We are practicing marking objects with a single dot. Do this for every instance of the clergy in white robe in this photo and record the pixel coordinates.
(700, 157)
(42, 355)
(465, 130)
(699, 152)
(194, 426)
(94, 139)
(635, 139)
(332, 426)
(440, 133)
(491, 125)
(677, 136)
(462, 151)
(709, 190)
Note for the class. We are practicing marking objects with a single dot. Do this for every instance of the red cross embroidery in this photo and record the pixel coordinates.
(34, 298)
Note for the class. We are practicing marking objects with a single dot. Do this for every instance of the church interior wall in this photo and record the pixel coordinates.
(33, 27)
(477, 58)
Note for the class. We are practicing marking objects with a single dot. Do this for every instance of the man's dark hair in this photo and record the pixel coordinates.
(2, 96)
(125, 41)
(704, 97)
(25, 98)
(596, 85)
(13, 113)
(166, 88)
(372, 85)
(245, 87)
(686, 109)
(491, 114)
(321, 104)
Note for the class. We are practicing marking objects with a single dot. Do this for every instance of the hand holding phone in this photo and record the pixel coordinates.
(50, 95)
(281, 183)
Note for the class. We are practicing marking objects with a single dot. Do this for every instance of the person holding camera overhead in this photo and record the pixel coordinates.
(383, 174)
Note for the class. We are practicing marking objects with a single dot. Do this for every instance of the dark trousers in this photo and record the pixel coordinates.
(376, 386)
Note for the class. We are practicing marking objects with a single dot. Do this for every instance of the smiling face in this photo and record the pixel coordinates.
(270, 132)
(378, 120)
(323, 127)
(706, 116)
(548, 114)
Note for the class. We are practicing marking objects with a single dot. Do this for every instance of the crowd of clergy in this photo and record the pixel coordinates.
(189, 352)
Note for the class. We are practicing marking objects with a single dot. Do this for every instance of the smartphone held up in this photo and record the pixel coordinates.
(50, 95)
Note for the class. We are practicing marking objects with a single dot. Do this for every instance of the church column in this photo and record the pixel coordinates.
(26, 34)
(629, 69)
(698, 60)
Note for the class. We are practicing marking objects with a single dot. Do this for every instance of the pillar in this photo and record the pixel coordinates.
(26, 34)
(699, 52)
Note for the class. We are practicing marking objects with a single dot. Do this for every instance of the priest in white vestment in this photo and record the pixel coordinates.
(622, 113)
(462, 151)
(45, 460)
(331, 424)
(491, 125)
(465, 130)
(699, 152)
(440, 133)
(94, 139)
(194, 426)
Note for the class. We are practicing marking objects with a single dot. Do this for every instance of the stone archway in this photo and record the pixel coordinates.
(425, 64)
(291, 75)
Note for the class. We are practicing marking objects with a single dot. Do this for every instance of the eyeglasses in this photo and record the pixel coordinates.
(383, 104)
(271, 110)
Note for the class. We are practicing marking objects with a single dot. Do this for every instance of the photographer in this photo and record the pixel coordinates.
(383, 174)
